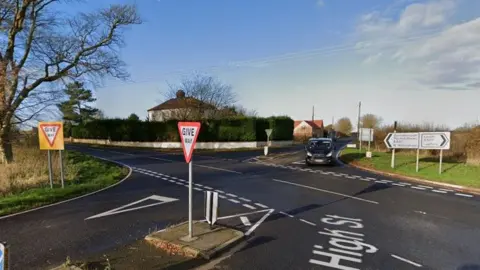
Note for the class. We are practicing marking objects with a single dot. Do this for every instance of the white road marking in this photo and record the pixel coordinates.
(399, 184)
(420, 188)
(245, 221)
(308, 222)
(420, 212)
(439, 191)
(199, 189)
(218, 169)
(364, 179)
(351, 177)
(244, 199)
(464, 195)
(386, 181)
(198, 185)
(326, 191)
(219, 191)
(248, 206)
(207, 187)
(371, 178)
(259, 222)
(381, 182)
(234, 201)
(171, 181)
(286, 214)
(221, 196)
(407, 261)
(232, 195)
(261, 205)
(424, 186)
(447, 190)
(164, 178)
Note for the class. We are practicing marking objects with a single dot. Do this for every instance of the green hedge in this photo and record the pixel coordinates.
(236, 129)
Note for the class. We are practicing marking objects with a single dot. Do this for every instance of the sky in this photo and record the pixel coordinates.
(404, 60)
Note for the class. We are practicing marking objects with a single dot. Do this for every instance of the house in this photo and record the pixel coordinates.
(181, 108)
(304, 129)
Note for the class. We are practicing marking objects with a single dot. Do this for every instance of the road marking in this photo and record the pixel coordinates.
(171, 181)
(207, 187)
(218, 169)
(261, 205)
(286, 214)
(221, 196)
(219, 191)
(199, 189)
(464, 195)
(244, 199)
(232, 195)
(371, 178)
(308, 222)
(405, 260)
(381, 181)
(234, 201)
(420, 188)
(386, 181)
(259, 222)
(364, 179)
(439, 191)
(447, 190)
(424, 186)
(326, 191)
(400, 185)
(121, 209)
(248, 206)
(245, 221)
(198, 185)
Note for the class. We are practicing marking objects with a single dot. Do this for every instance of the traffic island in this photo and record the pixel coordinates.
(205, 243)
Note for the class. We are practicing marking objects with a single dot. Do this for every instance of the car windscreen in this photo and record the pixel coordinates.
(319, 144)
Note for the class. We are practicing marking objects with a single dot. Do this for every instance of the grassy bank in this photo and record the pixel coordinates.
(453, 171)
(25, 184)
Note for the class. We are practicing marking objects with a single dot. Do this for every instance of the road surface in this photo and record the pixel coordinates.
(322, 217)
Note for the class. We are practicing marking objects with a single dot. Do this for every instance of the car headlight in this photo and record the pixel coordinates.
(309, 154)
(330, 154)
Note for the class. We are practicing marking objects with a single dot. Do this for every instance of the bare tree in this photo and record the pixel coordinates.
(200, 96)
(39, 48)
(371, 121)
(344, 125)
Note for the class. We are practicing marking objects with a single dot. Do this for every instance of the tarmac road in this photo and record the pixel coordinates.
(307, 218)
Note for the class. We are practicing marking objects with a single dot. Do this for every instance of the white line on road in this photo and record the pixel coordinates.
(248, 206)
(424, 186)
(261, 205)
(464, 195)
(234, 201)
(221, 196)
(245, 221)
(400, 185)
(308, 222)
(420, 188)
(207, 187)
(364, 179)
(199, 189)
(244, 199)
(219, 191)
(439, 191)
(232, 195)
(218, 169)
(326, 191)
(286, 214)
(259, 222)
(407, 261)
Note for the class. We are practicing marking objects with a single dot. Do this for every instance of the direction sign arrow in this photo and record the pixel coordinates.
(435, 140)
(402, 140)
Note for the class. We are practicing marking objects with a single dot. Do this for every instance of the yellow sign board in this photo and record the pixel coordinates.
(50, 136)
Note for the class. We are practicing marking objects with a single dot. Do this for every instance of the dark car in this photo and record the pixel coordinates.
(319, 151)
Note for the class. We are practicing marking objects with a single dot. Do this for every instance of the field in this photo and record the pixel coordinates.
(24, 184)
(454, 171)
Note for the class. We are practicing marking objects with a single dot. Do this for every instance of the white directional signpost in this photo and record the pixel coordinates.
(268, 132)
(211, 207)
(420, 141)
(188, 134)
(3, 257)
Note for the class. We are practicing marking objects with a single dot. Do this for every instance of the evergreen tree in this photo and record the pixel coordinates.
(76, 109)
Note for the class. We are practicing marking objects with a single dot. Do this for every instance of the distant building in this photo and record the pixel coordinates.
(304, 129)
(181, 108)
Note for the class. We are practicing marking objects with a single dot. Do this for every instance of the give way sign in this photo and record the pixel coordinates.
(188, 134)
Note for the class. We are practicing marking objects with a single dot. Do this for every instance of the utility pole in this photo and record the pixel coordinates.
(358, 124)
(313, 113)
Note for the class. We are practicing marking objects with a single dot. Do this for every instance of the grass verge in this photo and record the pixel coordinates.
(453, 171)
(24, 184)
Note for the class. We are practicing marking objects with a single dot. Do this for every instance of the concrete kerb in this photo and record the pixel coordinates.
(475, 191)
(130, 171)
(169, 240)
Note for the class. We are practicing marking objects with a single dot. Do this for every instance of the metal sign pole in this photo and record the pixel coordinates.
(50, 177)
(61, 168)
(393, 151)
(369, 139)
(418, 154)
(190, 223)
(441, 159)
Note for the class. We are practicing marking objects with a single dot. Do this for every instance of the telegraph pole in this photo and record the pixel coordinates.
(358, 124)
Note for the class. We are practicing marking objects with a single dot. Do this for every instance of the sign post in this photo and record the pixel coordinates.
(435, 141)
(268, 132)
(50, 137)
(188, 134)
(3, 256)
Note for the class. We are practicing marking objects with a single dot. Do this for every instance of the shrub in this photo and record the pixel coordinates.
(232, 129)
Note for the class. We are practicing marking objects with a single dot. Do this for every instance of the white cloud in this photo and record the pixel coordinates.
(425, 40)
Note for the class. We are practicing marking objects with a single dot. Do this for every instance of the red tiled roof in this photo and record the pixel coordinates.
(314, 124)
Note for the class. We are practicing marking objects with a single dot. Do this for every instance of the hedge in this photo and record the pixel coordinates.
(235, 129)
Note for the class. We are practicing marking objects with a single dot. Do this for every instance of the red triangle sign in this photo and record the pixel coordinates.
(188, 134)
(50, 131)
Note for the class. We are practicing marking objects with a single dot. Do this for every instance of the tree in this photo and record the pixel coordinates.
(203, 95)
(99, 115)
(370, 121)
(39, 47)
(344, 125)
(76, 109)
(133, 117)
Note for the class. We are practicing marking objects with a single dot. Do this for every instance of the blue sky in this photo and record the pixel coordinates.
(405, 60)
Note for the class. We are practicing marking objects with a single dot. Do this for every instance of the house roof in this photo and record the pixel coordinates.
(314, 124)
(180, 102)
